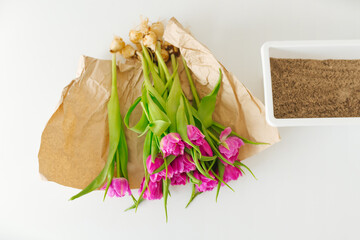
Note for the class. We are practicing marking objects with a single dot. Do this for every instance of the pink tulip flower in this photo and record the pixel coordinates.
(183, 164)
(231, 173)
(118, 188)
(207, 183)
(172, 144)
(179, 179)
(152, 166)
(155, 190)
(230, 146)
(197, 138)
(205, 149)
(195, 135)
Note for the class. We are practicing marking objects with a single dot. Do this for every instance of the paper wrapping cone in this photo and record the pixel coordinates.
(236, 107)
(74, 143)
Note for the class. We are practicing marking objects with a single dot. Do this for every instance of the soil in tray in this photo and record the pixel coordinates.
(307, 88)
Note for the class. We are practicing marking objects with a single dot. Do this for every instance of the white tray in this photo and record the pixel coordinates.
(344, 49)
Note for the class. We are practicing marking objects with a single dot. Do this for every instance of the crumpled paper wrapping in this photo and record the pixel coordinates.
(74, 144)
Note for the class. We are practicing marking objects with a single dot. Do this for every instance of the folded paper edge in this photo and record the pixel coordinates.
(174, 25)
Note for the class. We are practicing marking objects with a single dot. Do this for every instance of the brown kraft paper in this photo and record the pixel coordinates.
(74, 143)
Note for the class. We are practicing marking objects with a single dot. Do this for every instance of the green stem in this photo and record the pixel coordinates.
(114, 88)
(211, 165)
(118, 164)
(166, 193)
(142, 192)
(133, 198)
(166, 168)
(162, 64)
(198, 165)
(213, 137)
(114, 73)
(191, 82)
(161, 70)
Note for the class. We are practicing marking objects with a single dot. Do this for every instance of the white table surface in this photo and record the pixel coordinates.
(309, 183)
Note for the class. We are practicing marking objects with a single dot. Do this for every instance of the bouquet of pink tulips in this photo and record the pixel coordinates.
(182, 142)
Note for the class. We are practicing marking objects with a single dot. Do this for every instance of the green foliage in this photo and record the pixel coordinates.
(207, 104)
(117, 142)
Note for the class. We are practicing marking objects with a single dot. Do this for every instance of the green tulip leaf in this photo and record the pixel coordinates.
(149, 87)
(158, 82)
(218, 127)
(110, 176)
(141, 125)
(173, 102)
(182, 122)
(221, 169)
(147, 148)
(220, 180)
(115, 129)
(247, 168)
(134, 205)
(169, 159)
(158, 127)
(193, 179)
(154, 148)
(191, 82)
(207, 159)
(207, 104)
(123, 154)
(194, 194)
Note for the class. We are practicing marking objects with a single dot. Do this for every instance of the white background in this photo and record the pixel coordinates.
(309, 183)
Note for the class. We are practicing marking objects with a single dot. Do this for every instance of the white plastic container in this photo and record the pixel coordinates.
(344, 49)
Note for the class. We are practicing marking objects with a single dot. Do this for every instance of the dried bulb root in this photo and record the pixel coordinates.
(138, 55)
(149, 40)
(117, 44)
(144, 26)
(138, 47)
(165, 55)
(128, 51)
(135, 36)
(158, 29)
(171, 49)
(147, 35)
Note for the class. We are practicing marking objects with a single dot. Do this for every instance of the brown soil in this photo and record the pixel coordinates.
(306, 88)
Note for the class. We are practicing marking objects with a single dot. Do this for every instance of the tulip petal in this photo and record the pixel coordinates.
(224, 134)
